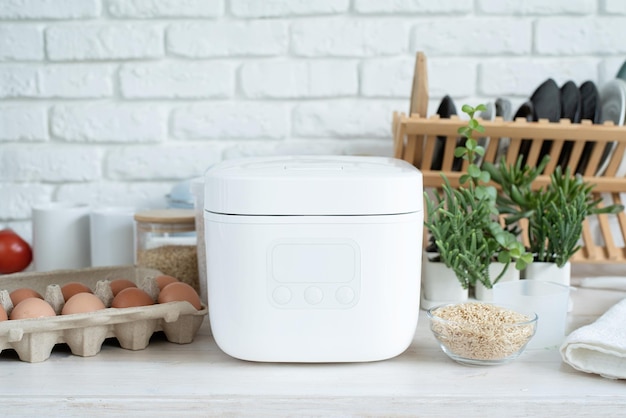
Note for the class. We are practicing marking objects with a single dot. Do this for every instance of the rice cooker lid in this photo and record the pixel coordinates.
(313, 185)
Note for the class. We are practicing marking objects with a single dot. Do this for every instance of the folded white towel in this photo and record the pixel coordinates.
(605, 282)
(599, 347)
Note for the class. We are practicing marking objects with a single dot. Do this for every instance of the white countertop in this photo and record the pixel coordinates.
(198, 379)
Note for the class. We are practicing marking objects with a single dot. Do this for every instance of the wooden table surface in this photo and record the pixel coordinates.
(198, 379)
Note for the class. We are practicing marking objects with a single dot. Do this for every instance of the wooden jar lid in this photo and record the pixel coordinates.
(167, 216)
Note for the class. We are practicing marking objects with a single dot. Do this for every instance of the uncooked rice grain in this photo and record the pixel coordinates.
(481, 331)
(180, 261)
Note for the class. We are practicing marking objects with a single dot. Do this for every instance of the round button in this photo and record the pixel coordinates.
(345, 295)
(313, 295)
(281, 295)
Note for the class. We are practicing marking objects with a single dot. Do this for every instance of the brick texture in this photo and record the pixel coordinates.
(18, 80)
(104, 42)
(76, 81)
(116, 193)
(344, 119)
(537, 7)
(21, 43)
(228, 120)
(220, 39)
(615, 7)
(23, 123)
(150, 163)
(561, 36)
(413, 6)
(176, 80)
(115, 101)
(487, 36)
(19, 198)
(520, 77)
(299, 79)
(49, 9)
(108, 123)
(50, 164)
(164, 8)
(349, 38)
(276, 8)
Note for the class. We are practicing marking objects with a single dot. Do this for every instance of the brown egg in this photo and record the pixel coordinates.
(3, 314)
(180, 291)
(72, 288)
(32, 308)
(19, 295)
(130, 297)
(81, 303)
(118, 285)
(164, 280)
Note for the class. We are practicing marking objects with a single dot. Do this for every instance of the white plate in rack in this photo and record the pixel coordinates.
(613, 104)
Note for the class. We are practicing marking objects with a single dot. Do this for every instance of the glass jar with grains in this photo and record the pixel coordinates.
(166, 240)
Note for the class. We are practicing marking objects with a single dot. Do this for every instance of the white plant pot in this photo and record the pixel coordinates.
(550, 272)
(484, 294)
(440, 285)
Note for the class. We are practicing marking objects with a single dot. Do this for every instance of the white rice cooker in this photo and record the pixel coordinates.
(313, 258)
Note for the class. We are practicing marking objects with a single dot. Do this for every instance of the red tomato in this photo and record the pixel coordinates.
(15, 253)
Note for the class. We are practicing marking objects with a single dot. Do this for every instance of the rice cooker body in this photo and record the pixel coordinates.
(301, 286)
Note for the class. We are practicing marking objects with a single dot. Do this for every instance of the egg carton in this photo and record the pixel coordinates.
(33, 339)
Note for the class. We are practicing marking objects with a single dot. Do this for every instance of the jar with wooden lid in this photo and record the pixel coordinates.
(166, 240)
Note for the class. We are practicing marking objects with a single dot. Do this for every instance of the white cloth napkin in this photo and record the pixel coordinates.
(599, 347)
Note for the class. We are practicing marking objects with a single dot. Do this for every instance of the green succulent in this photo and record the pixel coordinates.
(464, 223)
(555, 213)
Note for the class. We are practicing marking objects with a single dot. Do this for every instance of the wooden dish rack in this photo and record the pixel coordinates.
(416, 138)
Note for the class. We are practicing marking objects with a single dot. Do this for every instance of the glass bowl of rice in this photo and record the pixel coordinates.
(482, 334)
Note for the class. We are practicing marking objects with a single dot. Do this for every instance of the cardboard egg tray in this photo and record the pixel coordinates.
(34, 339)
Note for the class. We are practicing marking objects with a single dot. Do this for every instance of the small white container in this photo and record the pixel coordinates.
(548, 299)
(61, 236)
(313, 259)
(112, 236)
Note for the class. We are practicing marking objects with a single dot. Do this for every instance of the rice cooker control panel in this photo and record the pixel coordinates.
(313, 273)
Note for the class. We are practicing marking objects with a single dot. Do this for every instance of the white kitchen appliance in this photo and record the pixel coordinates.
(313, 258)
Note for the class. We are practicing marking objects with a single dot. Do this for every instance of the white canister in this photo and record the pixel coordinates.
(112, 236)
(61, 236)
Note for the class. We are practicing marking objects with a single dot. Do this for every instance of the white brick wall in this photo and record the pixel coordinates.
(255, 8)
(488, 36)
(150, 163)
(344, 119)
(338, 37)
(583, 35)
(171, 80)
(108, 122)
(21, 43)
(104, 41)
(50, 163)
(230, 120)
(227, 38)
(23, 122)
(283, 79)
(164, 8)
(67, 81)
(17, 80)
(537, 7)
(114, 101)
(49, 9)
(413, 6)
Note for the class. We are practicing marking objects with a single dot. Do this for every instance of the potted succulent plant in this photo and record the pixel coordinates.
(555, 214)
(464, 226)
